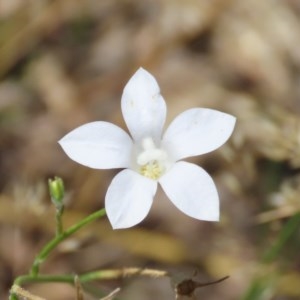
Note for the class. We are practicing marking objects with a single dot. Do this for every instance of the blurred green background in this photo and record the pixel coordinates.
(65, 63)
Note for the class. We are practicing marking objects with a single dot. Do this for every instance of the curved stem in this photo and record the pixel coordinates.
(91, 276)
(39, 259)
(83, 278)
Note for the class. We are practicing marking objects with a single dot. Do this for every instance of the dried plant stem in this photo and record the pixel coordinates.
(23, 293)
(92, 276)
(79, 291)
(111, 295)
(83, 278)
(275, 214)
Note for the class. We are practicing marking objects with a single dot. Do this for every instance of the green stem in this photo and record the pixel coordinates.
(40, 258)
(58, 219)
(84, 278)
(284, 236)
(261, 283)
(91, 276)
(68, 278)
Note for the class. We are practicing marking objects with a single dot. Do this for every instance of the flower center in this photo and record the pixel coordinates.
(152, 161)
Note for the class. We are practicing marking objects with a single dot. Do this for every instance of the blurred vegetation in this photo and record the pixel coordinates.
(65, 63)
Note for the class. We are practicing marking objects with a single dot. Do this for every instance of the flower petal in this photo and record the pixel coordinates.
(99, 145)
(197, 131)
(143, 107)
(129, 198)
(192, 191)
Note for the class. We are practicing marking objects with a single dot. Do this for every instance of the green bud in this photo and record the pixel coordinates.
(57, 191)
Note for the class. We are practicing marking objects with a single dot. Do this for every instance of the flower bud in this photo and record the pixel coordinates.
(57, 191)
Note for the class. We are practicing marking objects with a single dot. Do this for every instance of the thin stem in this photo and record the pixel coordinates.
(199, 284)
(58, 219)
(86, 277)
(58, 239)
(91, 276)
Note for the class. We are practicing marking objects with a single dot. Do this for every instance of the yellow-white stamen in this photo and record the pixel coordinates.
(152, 160)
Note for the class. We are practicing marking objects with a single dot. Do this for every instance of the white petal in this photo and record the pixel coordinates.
(197, 131)
(143, 107)
(129, 199)
(99, 145)
(192, 191)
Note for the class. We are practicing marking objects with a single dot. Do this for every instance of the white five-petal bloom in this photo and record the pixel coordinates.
(150, 157)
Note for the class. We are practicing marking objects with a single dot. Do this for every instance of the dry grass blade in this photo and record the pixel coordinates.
(24, 293)
(79, 291)
(111, 295)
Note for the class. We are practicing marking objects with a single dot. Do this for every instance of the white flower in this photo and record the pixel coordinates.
(149, 157)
